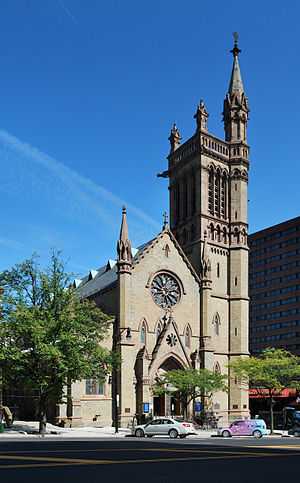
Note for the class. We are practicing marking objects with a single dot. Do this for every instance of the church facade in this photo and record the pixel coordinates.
(181, 300)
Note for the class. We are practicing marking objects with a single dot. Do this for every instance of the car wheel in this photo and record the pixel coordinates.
(173, 433)
(257, 434)
(226, 434)
(139, 433)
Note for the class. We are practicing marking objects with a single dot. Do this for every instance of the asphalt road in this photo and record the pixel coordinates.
(156, 460)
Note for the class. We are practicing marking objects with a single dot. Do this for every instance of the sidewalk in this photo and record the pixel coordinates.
(25, 429)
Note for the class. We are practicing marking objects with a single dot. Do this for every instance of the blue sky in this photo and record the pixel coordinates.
(88, 93)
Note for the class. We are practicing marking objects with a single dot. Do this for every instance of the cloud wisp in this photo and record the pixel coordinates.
(83, 188)
(68, 12)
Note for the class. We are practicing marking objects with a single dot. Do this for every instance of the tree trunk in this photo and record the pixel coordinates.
(271, 415)
(42, 415)
(69, 400)
(185, 403)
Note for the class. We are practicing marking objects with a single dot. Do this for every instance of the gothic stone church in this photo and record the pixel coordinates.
(181, 300)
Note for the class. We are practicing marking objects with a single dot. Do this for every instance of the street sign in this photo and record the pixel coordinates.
(198, 406)
(146, 407)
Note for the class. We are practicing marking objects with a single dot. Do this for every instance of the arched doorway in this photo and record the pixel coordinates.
(168, 404)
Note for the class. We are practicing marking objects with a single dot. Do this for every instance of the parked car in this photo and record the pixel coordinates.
(166, 427)
(245, 427)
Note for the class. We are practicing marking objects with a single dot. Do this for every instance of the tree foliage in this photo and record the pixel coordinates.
(190, 384)
(48, 336)
(270, 373)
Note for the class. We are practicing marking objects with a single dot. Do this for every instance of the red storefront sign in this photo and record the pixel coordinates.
(263, 393)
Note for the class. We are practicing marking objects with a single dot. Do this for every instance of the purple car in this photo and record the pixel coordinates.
(245, 427)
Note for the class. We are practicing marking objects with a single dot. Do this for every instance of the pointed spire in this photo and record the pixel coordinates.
(124, 226)
(174, 138)
(236, 108)
(124, 246)
(236, 83)
(201, 116)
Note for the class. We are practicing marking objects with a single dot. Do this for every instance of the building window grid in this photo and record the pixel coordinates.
(94, 387)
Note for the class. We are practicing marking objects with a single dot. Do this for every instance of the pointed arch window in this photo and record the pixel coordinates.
(224, 197)
(187, 337)
(217, 323)
(218, 194)
(211, 192)
(143, 333)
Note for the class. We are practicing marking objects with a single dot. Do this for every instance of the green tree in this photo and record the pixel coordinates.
(49, 338)
(191, 384)
(270, 373)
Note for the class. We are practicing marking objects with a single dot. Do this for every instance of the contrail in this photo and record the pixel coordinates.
(67, 12)
(79, 183)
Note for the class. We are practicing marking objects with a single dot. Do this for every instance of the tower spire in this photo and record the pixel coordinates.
(236, 83)
(124, 245)
(236, 109)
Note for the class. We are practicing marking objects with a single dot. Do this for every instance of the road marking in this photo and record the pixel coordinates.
(168, 450)
(295, 447)
(157, 449)
(58, 462)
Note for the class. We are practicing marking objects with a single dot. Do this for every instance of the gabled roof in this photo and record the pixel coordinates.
(107, 275)
(103, 277)
(148, 246)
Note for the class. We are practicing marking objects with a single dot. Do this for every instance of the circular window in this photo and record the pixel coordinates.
(165, 290)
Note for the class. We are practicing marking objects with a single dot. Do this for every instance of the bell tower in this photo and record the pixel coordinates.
(208, 183)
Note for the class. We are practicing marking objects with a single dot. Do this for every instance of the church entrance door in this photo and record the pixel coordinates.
(159, 406)
(168, 404)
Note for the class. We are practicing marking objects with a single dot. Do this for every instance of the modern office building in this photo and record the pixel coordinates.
(274, 287)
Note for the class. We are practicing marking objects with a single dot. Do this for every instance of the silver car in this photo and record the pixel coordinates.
(164, 427)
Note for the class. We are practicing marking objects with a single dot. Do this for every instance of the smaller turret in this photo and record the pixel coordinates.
(124, 246)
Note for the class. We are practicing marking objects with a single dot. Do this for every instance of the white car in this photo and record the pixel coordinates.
(164, 427)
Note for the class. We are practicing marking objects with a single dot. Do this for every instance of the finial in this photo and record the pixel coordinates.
(235, 51)
(165, 220)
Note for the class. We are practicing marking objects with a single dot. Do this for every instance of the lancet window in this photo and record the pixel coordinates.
(143, 334)
(217, 193)
(187, 337)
